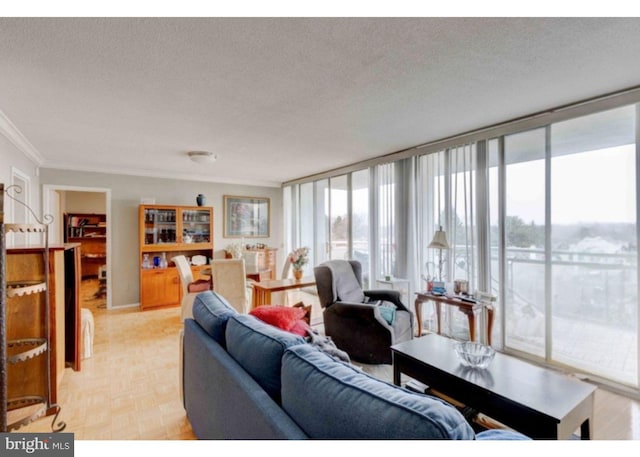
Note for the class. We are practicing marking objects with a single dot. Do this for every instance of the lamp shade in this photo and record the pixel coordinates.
(439, 240)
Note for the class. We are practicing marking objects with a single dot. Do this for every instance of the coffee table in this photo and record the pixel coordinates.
(536, 401)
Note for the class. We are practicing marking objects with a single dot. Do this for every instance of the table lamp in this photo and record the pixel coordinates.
(439, 242)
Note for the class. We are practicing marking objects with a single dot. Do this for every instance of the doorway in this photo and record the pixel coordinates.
(83, 214)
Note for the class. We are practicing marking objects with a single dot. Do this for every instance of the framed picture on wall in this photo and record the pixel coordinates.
(246, 217)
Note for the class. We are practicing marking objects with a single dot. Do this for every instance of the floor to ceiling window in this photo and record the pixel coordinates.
(524, 262)
(360, 233)
(543, 216)
(321, 245)
(593, 240)
(339, 217)
(307, 222)
(570, 259)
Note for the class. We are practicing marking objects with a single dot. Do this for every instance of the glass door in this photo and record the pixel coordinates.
(196, 226)
(525, 288)
(159, 226)
(593, 240)
(570, 287)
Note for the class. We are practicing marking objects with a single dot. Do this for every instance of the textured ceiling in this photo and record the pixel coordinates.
(281, 98)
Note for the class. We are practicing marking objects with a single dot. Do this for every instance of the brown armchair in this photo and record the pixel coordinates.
(364, 324)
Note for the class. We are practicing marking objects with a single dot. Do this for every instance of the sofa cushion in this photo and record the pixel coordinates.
(258, 347)
(346, 403)
(284, 317)
(212, 311)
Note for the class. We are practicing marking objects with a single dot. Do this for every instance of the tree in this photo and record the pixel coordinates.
(522, 235)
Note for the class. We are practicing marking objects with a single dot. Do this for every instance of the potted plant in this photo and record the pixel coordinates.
(298, 259)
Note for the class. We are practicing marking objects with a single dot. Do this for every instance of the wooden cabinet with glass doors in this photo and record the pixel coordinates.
(167, 231)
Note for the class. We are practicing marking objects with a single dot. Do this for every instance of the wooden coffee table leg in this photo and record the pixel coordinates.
(418, 305)
(396, 374)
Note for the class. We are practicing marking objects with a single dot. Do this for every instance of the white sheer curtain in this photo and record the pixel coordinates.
(430, 214)
(463, 257)
(384, 197)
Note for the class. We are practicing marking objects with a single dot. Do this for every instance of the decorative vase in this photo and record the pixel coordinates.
(297, 274)
(201, 200)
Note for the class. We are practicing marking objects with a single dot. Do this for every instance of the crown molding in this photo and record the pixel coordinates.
(158, 174)
(15, 136)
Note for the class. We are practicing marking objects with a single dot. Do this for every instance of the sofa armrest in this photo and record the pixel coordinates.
(222, 400)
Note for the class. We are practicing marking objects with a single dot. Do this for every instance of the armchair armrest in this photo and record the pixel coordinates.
(359, 311)
(360, 331)
(392, 296)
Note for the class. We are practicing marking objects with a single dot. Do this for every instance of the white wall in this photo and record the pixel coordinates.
(126, 192)
(84, 202)
(13, 160)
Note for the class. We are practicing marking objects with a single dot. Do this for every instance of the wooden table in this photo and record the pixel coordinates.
(262, 290)
(262, 275)
(536, 401)
(252, 275)
(468, 308)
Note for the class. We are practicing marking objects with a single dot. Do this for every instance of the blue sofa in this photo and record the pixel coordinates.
(246, 379)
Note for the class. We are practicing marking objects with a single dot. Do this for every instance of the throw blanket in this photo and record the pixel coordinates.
(327, 346)
(345, 284)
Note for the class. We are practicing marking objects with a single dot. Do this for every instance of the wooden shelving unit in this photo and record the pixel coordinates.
(90, 230)
(25, 333)
(167, 231)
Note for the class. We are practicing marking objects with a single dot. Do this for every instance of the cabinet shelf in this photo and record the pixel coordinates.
(90, 230)
(25, 349)
(24, 410)
(20, 288)
(25, 228)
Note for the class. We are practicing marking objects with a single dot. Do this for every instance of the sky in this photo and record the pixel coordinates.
(598, 186)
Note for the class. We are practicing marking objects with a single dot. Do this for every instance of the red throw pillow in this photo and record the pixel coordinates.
(284, 317)
(300, 328)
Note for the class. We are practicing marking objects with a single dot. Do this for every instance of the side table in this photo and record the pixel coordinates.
(470, 308)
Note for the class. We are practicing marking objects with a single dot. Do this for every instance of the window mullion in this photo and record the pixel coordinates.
(548, 295)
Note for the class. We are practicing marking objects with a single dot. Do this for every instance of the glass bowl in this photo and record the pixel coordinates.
(474, 354)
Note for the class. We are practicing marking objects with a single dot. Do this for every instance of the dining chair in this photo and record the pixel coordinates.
(230, 280)
(190, 287)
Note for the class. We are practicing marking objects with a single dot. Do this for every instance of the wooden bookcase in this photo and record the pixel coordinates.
(90, 230)
(164, 232)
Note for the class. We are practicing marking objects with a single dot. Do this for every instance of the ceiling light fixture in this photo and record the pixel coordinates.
(202, 156)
